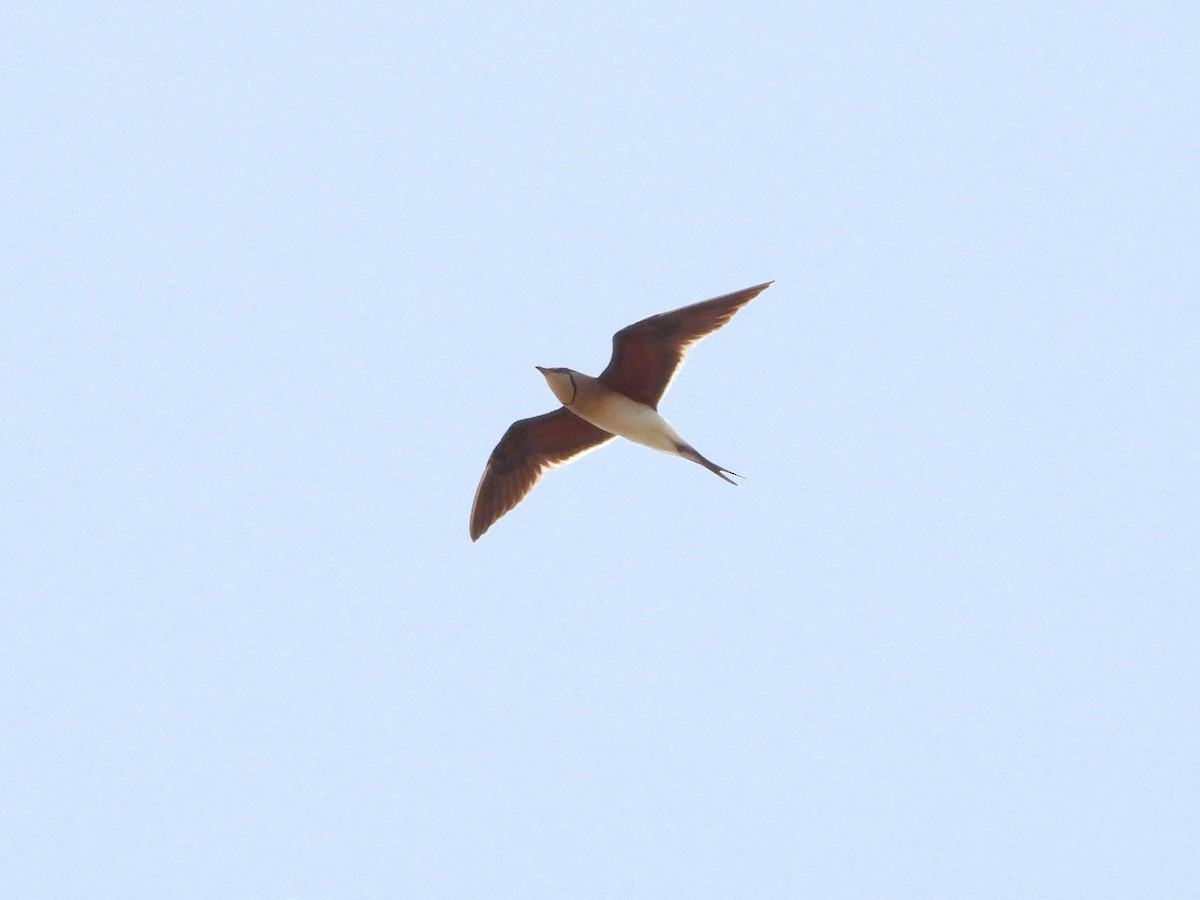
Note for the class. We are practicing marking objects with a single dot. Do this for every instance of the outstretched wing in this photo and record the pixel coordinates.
(646, 354)
(528, 448)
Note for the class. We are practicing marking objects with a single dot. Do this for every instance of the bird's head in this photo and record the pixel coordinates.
(562, 382)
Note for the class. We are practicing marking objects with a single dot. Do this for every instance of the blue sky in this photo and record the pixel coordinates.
(275, 278)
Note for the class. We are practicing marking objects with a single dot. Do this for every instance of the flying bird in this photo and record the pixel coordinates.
(622, 401)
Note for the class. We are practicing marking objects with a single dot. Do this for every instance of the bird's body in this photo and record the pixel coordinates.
(594, 401)
(611, 411)
(622, 401)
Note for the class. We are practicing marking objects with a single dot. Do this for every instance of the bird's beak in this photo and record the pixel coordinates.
(540, 369)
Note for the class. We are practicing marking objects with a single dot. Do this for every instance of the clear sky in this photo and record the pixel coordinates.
(274, 280)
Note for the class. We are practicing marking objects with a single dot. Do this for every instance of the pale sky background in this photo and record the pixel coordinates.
(274, 280)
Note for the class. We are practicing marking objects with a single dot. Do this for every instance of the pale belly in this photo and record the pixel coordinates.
(634, 421)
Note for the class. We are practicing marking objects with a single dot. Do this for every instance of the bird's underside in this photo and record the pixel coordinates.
(622, 400)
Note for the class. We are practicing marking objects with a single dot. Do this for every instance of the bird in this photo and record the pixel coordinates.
(622, 401)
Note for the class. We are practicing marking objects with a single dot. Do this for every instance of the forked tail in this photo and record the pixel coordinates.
(689, 452)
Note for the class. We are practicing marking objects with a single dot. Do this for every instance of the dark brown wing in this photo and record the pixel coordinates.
(647, 353)
(528, 448)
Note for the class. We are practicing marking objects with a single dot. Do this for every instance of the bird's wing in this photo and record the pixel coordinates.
(528, 448)
(646, 354)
